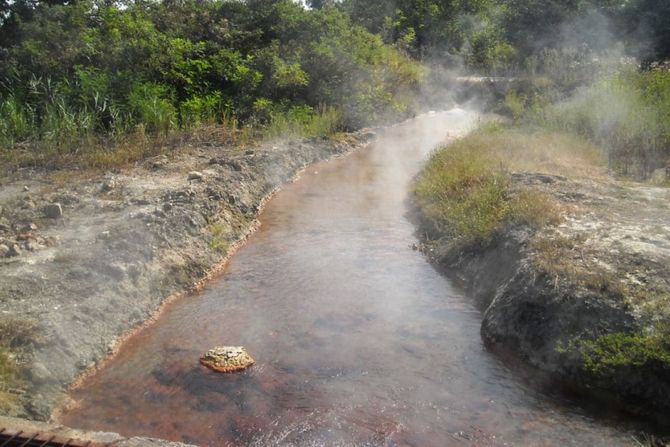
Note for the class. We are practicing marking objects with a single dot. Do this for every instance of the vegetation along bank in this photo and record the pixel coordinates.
(560, 226)
(137, 142)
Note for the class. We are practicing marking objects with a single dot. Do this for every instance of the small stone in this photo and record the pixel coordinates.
(26, 189)
(167, 206)
(236, 166)
(227, 359)
(29, 228)
(4, 251)
(32, 245)
(115, 270)
(53, 210)
(109, 185)
(368, 135)
(14, 250)
(195, 175)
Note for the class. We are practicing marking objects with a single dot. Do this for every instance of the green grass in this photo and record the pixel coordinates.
(466, 190)
(73, 148)
(219, 241)
(648, 352)
(301, 122)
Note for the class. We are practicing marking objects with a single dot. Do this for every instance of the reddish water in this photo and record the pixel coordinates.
(359, 341)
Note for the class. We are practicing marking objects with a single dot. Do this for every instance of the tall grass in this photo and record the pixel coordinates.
(61, 124)
(628, 114)
(16, 122)
(465, 189)
(302, 122)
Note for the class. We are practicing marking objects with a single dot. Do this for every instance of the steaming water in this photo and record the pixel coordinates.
(359, 341)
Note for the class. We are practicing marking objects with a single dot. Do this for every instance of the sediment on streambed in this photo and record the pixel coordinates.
(121, 244)
(571, 267)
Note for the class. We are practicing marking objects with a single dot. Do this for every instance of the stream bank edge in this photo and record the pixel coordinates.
(557, 318)
(129, 244)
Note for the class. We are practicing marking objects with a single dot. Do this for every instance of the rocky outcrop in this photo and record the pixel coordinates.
(587, 300)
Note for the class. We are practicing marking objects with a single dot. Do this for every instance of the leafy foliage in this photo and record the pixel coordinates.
(74, 71)
(647, 352)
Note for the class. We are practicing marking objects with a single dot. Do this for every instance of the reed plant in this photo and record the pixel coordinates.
(302, 122)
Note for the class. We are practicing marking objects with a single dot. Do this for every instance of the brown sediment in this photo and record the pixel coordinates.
(129, 335)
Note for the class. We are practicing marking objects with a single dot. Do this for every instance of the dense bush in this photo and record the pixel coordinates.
(73, 72)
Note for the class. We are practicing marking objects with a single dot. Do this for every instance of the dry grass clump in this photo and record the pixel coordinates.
(562, 257)
(88, 154)
(466, 188)
(628, 114)
(15, 335)
(9, 397)
(545, 151)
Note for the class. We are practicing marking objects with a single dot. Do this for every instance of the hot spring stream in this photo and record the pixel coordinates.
(358, 339)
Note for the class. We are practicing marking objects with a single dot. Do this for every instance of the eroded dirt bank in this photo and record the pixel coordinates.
(85, 260)
(587, 299)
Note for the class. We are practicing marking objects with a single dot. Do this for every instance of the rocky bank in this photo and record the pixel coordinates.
(84, 259)
(586, 300)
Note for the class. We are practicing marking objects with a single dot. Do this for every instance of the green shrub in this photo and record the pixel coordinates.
(198, 110)
(644, 351)
(515, 104)
(75, 76)
(16, 122)
(151, 105)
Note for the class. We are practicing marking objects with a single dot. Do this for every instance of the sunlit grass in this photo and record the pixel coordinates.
(465, 189)
(305, 125)
(628, 115)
